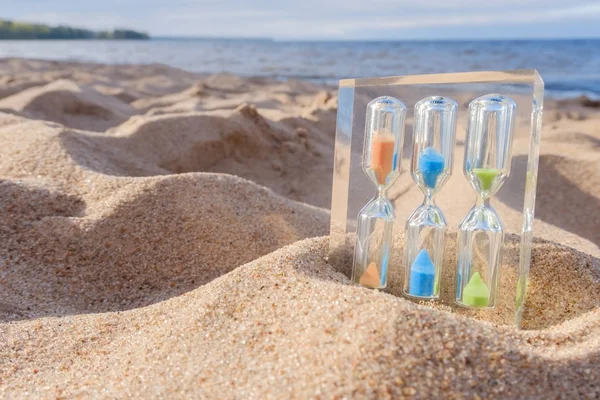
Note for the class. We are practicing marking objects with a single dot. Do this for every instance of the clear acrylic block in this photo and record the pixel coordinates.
(469, 250)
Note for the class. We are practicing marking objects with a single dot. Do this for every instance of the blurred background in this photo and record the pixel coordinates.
(316, 40)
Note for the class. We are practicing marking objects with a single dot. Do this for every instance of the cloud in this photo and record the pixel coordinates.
(374, 16)
(310, 19)
(473, 19)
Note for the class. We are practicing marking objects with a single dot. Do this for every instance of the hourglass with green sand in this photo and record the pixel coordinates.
(384, 133)
(433, 148)
(486, 166)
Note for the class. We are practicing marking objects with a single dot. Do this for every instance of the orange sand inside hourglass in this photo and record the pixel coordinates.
(371, 276)
(382, 157)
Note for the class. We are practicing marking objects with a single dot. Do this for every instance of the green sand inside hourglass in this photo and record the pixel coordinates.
(476, 293)
(486, 176)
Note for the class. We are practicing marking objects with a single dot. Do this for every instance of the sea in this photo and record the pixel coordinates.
(570, 68)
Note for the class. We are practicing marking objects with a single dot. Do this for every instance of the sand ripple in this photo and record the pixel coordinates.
(149, 247)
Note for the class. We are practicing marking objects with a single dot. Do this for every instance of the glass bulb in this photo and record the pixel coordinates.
(384, 133)
(432, 157)
(486, 167)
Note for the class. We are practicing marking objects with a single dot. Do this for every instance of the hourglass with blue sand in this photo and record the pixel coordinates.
(486, 166)
(381, 163)
(432, 157)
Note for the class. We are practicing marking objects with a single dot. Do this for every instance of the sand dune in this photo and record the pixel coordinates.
(116, 258)
(574, 183)
(70, 104)
(150, 222)
(287, 325)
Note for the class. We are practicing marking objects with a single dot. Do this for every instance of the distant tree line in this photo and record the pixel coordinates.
(21, 30)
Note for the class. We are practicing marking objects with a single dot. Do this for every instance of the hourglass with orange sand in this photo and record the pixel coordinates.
(381, 163)
(486, 166)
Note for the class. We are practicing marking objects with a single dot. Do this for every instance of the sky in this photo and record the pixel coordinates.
(322, 19)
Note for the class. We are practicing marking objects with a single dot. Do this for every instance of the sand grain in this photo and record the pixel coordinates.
(151, 246)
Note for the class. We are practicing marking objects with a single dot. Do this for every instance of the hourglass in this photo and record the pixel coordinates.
(381, 163)
(486, 167)
(433, 148)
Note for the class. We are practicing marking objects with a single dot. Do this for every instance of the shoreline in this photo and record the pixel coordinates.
(566, 65)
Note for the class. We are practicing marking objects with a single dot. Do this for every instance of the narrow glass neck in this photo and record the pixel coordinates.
(429, 199)
(484, 202)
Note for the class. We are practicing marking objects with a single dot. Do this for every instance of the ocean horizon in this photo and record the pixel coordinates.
(569, 67)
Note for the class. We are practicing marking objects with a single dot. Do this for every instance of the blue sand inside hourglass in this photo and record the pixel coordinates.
(422, 275)
(431, 164)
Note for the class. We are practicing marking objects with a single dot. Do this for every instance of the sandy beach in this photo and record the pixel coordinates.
(163, 234)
